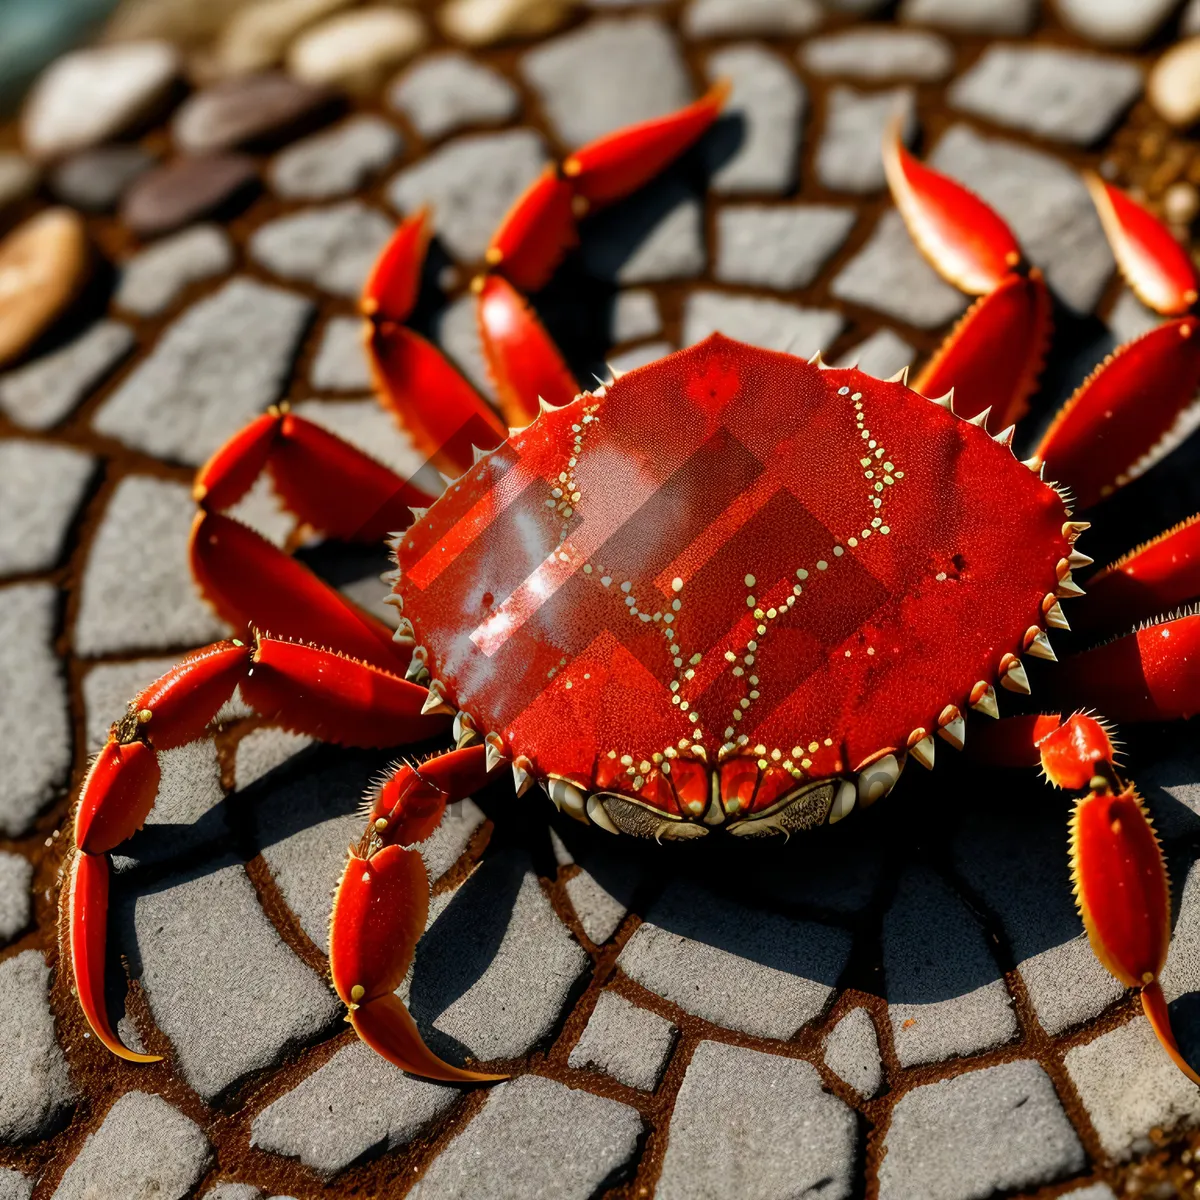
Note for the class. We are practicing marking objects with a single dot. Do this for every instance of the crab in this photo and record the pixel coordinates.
(731, 592)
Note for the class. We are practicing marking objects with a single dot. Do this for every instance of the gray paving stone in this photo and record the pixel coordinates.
(852, 1053)
(41, 393)
(506, 1143)
(889, 274)
(598, 910)
(447, 92)
(1063, 95)
(33, 706)
(973, 16)
(16, 903)
(778, 247)
(727, 1138)
(364, 423)
(456, 331)
(1129, 1087)
(945, 994)
(634, 315)
(219, 364)
(1171, 787)
(470, 183)
(877, 53)
(41, 487)
(629, 1043)
(356, 1105)
(848, 157)
(1129, 318)
(207, 955)
(750, 18)
(333, 248)
(1124, 23)
(768, 323)
(137, 591)
(495, 969)
(14, 1185)
(156, 277)
(94, 180)
(993, 1130)
(340, 363)
(1098, 1191)
(881, 354)
(1045, 202)
(755, 145)
(655, 235)
(233, 1191)
(145, 1147)
(35, 1088)
(638, 356)
(336, 162)
(759, 972)
(608, 73)
(262, 750)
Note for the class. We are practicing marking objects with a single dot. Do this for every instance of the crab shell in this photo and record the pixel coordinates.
(729, 587)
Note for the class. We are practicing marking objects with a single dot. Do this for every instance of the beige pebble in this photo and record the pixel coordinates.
(42, 267)
(357, 49)
(258, 35)
(184, 22)
(1181, 203)
(1174, 84)
(483, 22)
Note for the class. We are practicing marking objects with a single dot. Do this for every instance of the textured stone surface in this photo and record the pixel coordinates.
(33, 706)
(262, 750)
(882, 354)
(224, 360)
(35, 1089)
(470, 184)
(137, 591)
(1045, 202)
(639, 356)
(759, 972)
(877, 53)
(848, 157)
(852, 1053)
(778, 247)
(1115, 22)
(356, 1105)
(340, 363)
(156, 277)
(255, 36)
(944, 990)
(1057, 94)
(332, 248)
(643, 76)
(593, 1137)
(657, 234)
(755, 144)
(245, 111)
(769, 323)
(750, 18)
(447, 92)
(186, 189)
(16, 906)
(41, 393)
(629, 1043)
(206, 955)
(598, 910)
(41, 486)
(145, 1147)
(95, 179)
(233, 1191)
(1172, 87)
(356, 50)
(14, 1185)
(336, 162)
(992, 1130)
(634, 315)
(457, 333)
(972, 16)
(749, 1150)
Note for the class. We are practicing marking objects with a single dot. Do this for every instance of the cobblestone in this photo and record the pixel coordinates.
(223, 361)
(14, 1185)
(972, 16)
(634, 315)
(656, 235)
(185, 189)
(629, 1043)
(337, 162)
(41, 488)
(768, 323)
(145, 1147)
(96, 179)
(447, 92)
(848, 157)
(261, 751)
(639, 356)
(340, 363)
(755, 145)
(1123, 23)
(748, 1151)
(750, 18)
(457, 334)
(594, 1138)
(155, 278)
(874, 54)
(852, 1053)
(598, 910)
(881, 354)
(778, 247)
(41, 393)
(365, 424)
(992, 1130)
(35, 1088)
(354, 1106)
(16, 903)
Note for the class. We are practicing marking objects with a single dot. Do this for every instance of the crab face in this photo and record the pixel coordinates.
(726, 583)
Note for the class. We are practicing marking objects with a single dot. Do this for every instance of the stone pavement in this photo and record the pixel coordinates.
(900, 1006)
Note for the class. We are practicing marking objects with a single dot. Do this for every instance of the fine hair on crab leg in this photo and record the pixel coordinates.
(382, 904)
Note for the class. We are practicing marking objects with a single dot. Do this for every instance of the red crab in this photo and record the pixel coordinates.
(731, 591)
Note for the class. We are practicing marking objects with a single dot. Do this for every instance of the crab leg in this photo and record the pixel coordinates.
(1011, 741)
(994, 355)
(382, 904)
(302, 687)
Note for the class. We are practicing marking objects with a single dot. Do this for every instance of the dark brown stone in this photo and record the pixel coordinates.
(252, 110)
(187, 188)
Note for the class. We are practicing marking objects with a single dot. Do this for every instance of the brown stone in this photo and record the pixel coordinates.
(42, 267)
(250, 110)
(188, 188)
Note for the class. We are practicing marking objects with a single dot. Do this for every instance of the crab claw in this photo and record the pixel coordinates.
(390, 292)
(538, 230)
(1071, 752)
(1154, 264)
